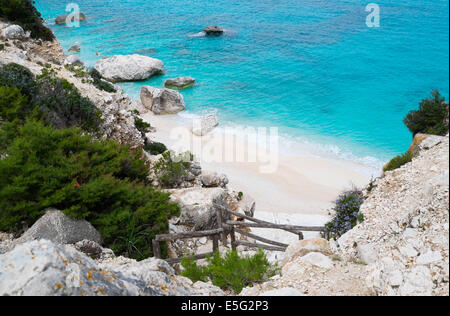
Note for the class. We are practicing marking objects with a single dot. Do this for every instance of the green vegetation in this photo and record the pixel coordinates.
(58, 102)
(100, 83)
(43, 166)
(170, 169)
(347, 213)
(141, 126)
(24, 13)
(430, 118)
(231, 272)
(102, 182)
(155, 148)
(399, 161)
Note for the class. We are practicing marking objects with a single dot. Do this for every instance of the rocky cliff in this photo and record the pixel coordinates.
(401, 248)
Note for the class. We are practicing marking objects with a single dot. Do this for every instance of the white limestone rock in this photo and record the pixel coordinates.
(204, 125)
(128, 67)
(162, 101)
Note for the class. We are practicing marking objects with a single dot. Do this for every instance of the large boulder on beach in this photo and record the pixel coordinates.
(179, 83)
(162, 101)
(213, 30)
(43, 268)
(58, 228)
(199, 206)
(61, 19)
(13, 32)
(128, 68)
(205, 124)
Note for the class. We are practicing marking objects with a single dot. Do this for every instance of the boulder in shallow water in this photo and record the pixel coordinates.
(205, 125)
(179, 83)
(213, 30)
(129, 67)
(162, 101)
(75, 48)
(62, 19)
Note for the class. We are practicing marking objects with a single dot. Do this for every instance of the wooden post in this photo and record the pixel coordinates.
(215, 243)
(220, 223)
(233, 238)
(300, 236)
(156, 249)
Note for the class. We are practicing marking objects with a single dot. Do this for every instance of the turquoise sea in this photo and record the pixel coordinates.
(311, 67)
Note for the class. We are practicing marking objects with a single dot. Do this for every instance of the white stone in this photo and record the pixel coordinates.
(408, 251)
(418, 282)
(162, 101)
(204, 125)
(199, 206)
(317, 259)
(128, 67)
(429, 258)
(367, 253)
(13, 32)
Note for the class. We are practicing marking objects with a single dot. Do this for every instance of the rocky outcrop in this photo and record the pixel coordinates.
(13, 32)
(310, 268)
(42, 268)
(179, 83)
(213, 179)
(199, 206)
(405, 235)
(61, 19)
(117, 121)
(60, 229)
(128, 67)
(162, 101)
(213, 30)
(73, 60)
(206, 124)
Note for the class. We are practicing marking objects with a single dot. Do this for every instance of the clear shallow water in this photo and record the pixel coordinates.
(310, 67)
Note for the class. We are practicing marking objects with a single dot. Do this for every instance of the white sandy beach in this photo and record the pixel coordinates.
(301, 184)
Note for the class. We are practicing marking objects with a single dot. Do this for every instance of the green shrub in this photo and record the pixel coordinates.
(13, 104)
(347, 214)
(17, 76)
(141, 126)
(101, 83)
(2, 47)
(231, 272)
(58, 101)
(24, 13)
(431, 116)
(155, 148)
(399, 161)
(170, 170)
(63, 106)
(99, 181)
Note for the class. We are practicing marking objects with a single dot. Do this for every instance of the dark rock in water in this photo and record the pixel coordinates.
(74, 48)
(179, 83)
(213, 30)
(62, 18)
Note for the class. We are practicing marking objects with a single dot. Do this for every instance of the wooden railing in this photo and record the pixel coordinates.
(232, 227)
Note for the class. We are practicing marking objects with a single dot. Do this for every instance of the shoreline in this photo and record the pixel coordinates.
(302, 184)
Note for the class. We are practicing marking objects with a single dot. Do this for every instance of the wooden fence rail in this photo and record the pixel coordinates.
(233, 227)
